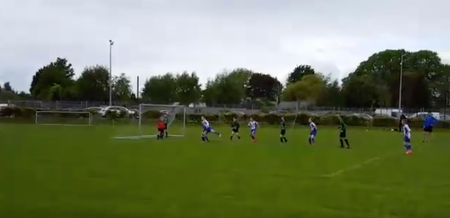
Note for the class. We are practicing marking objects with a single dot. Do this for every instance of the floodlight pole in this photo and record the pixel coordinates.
(400, 86)
(111, 43)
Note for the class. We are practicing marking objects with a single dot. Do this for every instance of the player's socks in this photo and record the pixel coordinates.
(239, 137)
(309, 140)
(157, 136)
(346, 142)
(285, 139)
(167, 134)
(342, 143)
(231, 137)
(281, 140)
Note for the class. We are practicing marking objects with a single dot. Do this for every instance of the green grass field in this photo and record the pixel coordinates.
(81, 172)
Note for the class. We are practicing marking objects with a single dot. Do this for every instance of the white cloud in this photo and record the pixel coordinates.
(157, 36)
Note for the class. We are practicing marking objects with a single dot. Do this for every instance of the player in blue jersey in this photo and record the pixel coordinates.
(428, 127)
(407, 137)
(313, 132)
(253, 127)
(207, 129)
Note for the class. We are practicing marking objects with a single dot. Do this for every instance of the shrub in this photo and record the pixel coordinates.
(227, 117)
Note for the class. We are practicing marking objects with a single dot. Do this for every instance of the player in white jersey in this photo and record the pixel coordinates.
(253, 127)
(313, 132)
(407, 137)
(207, 129)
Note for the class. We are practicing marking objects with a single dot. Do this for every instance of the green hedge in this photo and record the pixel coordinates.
(271, 119)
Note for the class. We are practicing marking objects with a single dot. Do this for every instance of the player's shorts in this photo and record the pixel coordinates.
(207, 130)
(343, 134)
(235, 130)
(283, 132)
(428, 129)
(406, 140)
(312, 134)
(252, 131)
(161, 130)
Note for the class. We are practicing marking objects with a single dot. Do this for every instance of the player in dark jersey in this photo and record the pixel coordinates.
(166, 122)
(235, 129)
(283, 138)
(343, 133)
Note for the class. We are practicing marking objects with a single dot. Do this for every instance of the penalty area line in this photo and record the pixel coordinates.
(357, 166)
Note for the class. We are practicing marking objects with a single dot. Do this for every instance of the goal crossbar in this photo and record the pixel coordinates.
(172, 114)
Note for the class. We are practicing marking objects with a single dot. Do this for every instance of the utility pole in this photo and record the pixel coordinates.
(111, 43)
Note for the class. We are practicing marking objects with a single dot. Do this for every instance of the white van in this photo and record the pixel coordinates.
(389, 112)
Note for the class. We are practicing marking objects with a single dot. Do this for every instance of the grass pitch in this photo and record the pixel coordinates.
(65, 172)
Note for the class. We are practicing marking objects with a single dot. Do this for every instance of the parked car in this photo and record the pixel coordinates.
(117, 109)
(444, 117)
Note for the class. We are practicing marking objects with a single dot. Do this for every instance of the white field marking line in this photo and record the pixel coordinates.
(142, 136)
(358, 165)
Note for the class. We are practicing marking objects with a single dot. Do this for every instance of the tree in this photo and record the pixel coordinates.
(122, 88)
(7, 87)
(188, 88)
(58, 72)
(299, 72)
(227, 87)
(331, 95)
(160, 89)
(360, 91)
(264, 86)
(23, 95)
(422, 68)
(93, 84)
(440, 89)
(55, 92)
(309, 88)
(241, 77)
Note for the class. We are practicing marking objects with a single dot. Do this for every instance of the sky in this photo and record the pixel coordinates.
(153, 37)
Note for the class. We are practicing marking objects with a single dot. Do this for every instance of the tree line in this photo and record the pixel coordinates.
(374, 83)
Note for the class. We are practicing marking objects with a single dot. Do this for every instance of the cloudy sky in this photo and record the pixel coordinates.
(157, 36)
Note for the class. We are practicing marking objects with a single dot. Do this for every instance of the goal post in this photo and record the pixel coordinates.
(150, 114)
(63, 118)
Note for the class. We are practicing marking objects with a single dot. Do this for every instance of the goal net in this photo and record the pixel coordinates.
(150, 114)
(65, 118)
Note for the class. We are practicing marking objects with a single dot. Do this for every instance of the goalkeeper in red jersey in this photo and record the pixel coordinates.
(161, 126)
